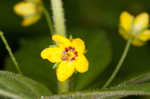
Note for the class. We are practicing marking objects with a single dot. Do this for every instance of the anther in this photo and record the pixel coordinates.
(70, 47)
(76, 53)
(72, 59)
(66, 49)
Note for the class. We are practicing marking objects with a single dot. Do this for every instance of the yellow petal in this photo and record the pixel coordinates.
(124, 35)
(81, 64)
(126, 21)
(144, 36)
(61, 40)
(25, 9)
(53, 54)
(65, 70)
(79, 45)
(137, 43)
(141, 38)
(140, 22)
(30, 20)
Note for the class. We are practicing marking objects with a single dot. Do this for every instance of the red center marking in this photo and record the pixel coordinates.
(66, 55)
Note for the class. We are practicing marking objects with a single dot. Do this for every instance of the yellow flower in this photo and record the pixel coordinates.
(68, 54)
(137, 26)
(30, 10)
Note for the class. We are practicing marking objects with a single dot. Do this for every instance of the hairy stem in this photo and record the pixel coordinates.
(58, 16)
(63, 86)
(60, 28)
(10, 52)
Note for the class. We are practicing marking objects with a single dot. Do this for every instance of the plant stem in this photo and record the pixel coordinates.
(63, 86)
(48, 18)
(125, 52)
(59, 23)
(10, 52)
(58, 16)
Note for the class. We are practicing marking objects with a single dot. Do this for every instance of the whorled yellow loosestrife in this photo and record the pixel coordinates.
(137, 26)
(68, 54)
(30, 10)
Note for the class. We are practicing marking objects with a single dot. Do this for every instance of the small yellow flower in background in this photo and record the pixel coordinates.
(137, 26)
(30, 10)
(68, 54)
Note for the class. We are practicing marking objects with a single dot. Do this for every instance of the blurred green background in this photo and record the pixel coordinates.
(96, 21)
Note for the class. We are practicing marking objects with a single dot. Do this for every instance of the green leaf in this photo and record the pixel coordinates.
(17, 86)
(113, 93)
(138, 79)
(98, 54)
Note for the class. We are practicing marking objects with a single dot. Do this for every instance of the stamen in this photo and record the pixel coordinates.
(69, 54)
(72, 59)
(76, 53)
(66, 49)
(70, 47)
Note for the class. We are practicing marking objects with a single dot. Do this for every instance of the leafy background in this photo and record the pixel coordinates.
(95, 21)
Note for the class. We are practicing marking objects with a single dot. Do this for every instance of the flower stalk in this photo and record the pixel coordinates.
(60, 28)
(124, 54)
(10, 52)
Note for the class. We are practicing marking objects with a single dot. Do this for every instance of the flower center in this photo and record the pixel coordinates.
(69, 54)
